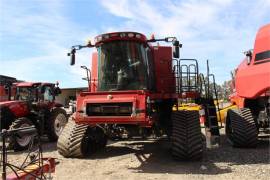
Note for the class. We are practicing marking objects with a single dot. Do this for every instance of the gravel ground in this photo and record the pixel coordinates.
(151, 160)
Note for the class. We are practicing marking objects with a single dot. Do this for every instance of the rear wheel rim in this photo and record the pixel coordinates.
(59, 123)
(26, 139)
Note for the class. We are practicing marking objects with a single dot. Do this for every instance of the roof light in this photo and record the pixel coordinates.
(99, 38)
(122, 35)
(106, 36)
(114, 35)
(88, 42)
(130, 35)
(138, 36)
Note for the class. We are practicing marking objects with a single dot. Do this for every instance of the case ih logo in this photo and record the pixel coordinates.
(109, 96)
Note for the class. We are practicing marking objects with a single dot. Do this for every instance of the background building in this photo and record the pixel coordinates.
(68, 94)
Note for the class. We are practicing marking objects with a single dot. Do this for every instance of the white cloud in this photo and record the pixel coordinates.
(119, 8)
(48, 68)
(45, 29)
(219, 30)
(212, 29)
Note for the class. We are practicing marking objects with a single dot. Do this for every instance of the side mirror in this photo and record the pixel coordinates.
(72, 59)
(248, 60)
(57, 91)
(249, 56)
(176, 46)
(72, 56)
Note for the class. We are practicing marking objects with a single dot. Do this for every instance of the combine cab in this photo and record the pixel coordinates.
(132, 90)
(33, 102)
(251, 82)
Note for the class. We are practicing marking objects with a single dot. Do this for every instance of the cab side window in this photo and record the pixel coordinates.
(48, 96)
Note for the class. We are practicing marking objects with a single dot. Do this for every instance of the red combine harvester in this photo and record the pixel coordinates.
(132, 89)
(251, 82)
(33, 102)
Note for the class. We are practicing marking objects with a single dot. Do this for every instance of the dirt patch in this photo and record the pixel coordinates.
(151, 160)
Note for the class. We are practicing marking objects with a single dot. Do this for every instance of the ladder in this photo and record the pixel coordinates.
(188, 80)
(208, 98)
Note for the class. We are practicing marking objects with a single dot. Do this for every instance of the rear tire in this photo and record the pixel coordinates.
(186, 137)
(241, 130)
(19, 143)
(58, 120)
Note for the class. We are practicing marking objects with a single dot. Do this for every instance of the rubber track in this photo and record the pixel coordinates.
(70, 140)
(244, 130)
(187, 141)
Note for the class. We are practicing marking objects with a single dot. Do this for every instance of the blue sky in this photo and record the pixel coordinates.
(37, 34)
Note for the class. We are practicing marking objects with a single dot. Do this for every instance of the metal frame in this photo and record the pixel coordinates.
(35, 159)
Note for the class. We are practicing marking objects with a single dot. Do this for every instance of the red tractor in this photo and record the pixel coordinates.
(33, 104)
(251, 83)
(132, 89)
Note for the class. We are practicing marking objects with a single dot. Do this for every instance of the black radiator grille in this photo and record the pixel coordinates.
(109, 109)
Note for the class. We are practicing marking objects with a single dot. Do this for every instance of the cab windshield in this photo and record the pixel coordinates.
(26, 93)
(122, 66)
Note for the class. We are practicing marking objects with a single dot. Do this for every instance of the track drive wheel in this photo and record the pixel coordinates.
(74, 140)
(18, 142)
(186, 136)
(99, 138)
(241, 130)
(58, 120)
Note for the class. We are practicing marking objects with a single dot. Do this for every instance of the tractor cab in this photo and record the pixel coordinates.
(33, 104)
(36, 92)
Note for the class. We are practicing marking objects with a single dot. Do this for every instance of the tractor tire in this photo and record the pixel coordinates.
(187, 143)
(73, 141)
(57, 122)
(18, 143)
(241, 130)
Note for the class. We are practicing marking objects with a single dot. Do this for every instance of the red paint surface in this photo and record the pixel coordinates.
(137, 98)
(253, 80)
(164, 80)
(18, 108)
